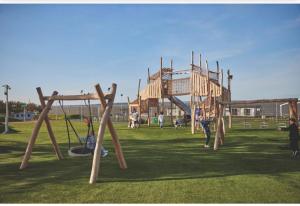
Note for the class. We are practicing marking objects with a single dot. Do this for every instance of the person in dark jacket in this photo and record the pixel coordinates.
(205, 125)
(294, 137)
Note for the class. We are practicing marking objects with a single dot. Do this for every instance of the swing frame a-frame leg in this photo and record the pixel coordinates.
(219, 136)
(43, 117)
(105, 120)
(49, 128)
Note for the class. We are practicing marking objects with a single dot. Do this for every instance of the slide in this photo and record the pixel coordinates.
(181, 105)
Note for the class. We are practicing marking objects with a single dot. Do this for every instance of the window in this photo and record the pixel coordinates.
(233, 111)
(247, 112)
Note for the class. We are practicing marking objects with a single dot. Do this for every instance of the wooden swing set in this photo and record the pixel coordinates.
(106, 101)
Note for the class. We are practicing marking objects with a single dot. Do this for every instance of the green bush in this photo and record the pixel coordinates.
(2, 119)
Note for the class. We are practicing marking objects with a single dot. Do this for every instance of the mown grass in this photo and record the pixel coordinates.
(164, 166)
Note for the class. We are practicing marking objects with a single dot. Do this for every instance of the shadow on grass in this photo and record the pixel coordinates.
(254, 129)
(11, 130)
(152, 160)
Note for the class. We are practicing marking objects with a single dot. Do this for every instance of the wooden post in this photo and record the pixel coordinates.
(97, 152)
(129, 111)
(193, 118)
(218, 72)
(293, 110)
(148, 75)
(148, 111)
(200, 62)
(139, 85)
(222, 127)
(222, 99)
(216, 143)
(140, 109)
(148, 118)
(219, 129)
(192, 59)
(209, 96)
(171, 92)
(49, 128)
(106, 120)
(115, 138)
(35, 131)
(215, 102)
(229, 77)
(192, 95)
(158, 109)
(162, 85)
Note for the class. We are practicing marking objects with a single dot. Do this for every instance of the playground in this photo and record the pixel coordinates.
(247, 159)
(141, 103)
(164, 166)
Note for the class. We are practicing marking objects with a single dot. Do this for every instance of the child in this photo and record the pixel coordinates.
(205, 125)
(130, 120)
(91, 144)
(161, 119)
(197, 116)
(135, 116)
(294, 137)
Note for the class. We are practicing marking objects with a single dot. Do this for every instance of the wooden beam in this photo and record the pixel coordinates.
(49, 128)
(77, 97)
(36, 130)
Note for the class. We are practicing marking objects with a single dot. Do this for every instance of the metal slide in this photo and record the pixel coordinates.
(180, 104)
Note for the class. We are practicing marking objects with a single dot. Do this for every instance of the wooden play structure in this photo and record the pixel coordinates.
(106, 101)
(203, 85)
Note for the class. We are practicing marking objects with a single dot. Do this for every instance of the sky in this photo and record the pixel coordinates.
(70, 48)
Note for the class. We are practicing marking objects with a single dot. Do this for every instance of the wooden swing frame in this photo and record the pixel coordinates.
(106, 101)
(220, 131)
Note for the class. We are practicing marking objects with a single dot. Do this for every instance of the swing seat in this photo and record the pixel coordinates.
(79, 152)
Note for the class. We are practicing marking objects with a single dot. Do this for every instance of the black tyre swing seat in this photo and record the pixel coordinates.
(82, 150)
(79, 151)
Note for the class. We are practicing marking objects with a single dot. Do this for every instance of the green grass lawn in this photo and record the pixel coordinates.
(164, 166)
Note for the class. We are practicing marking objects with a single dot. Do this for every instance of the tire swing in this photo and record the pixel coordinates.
(82, 150)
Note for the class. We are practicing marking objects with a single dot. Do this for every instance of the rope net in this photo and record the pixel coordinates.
(177, 87)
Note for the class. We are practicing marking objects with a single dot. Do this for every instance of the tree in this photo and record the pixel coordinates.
(16, 106)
